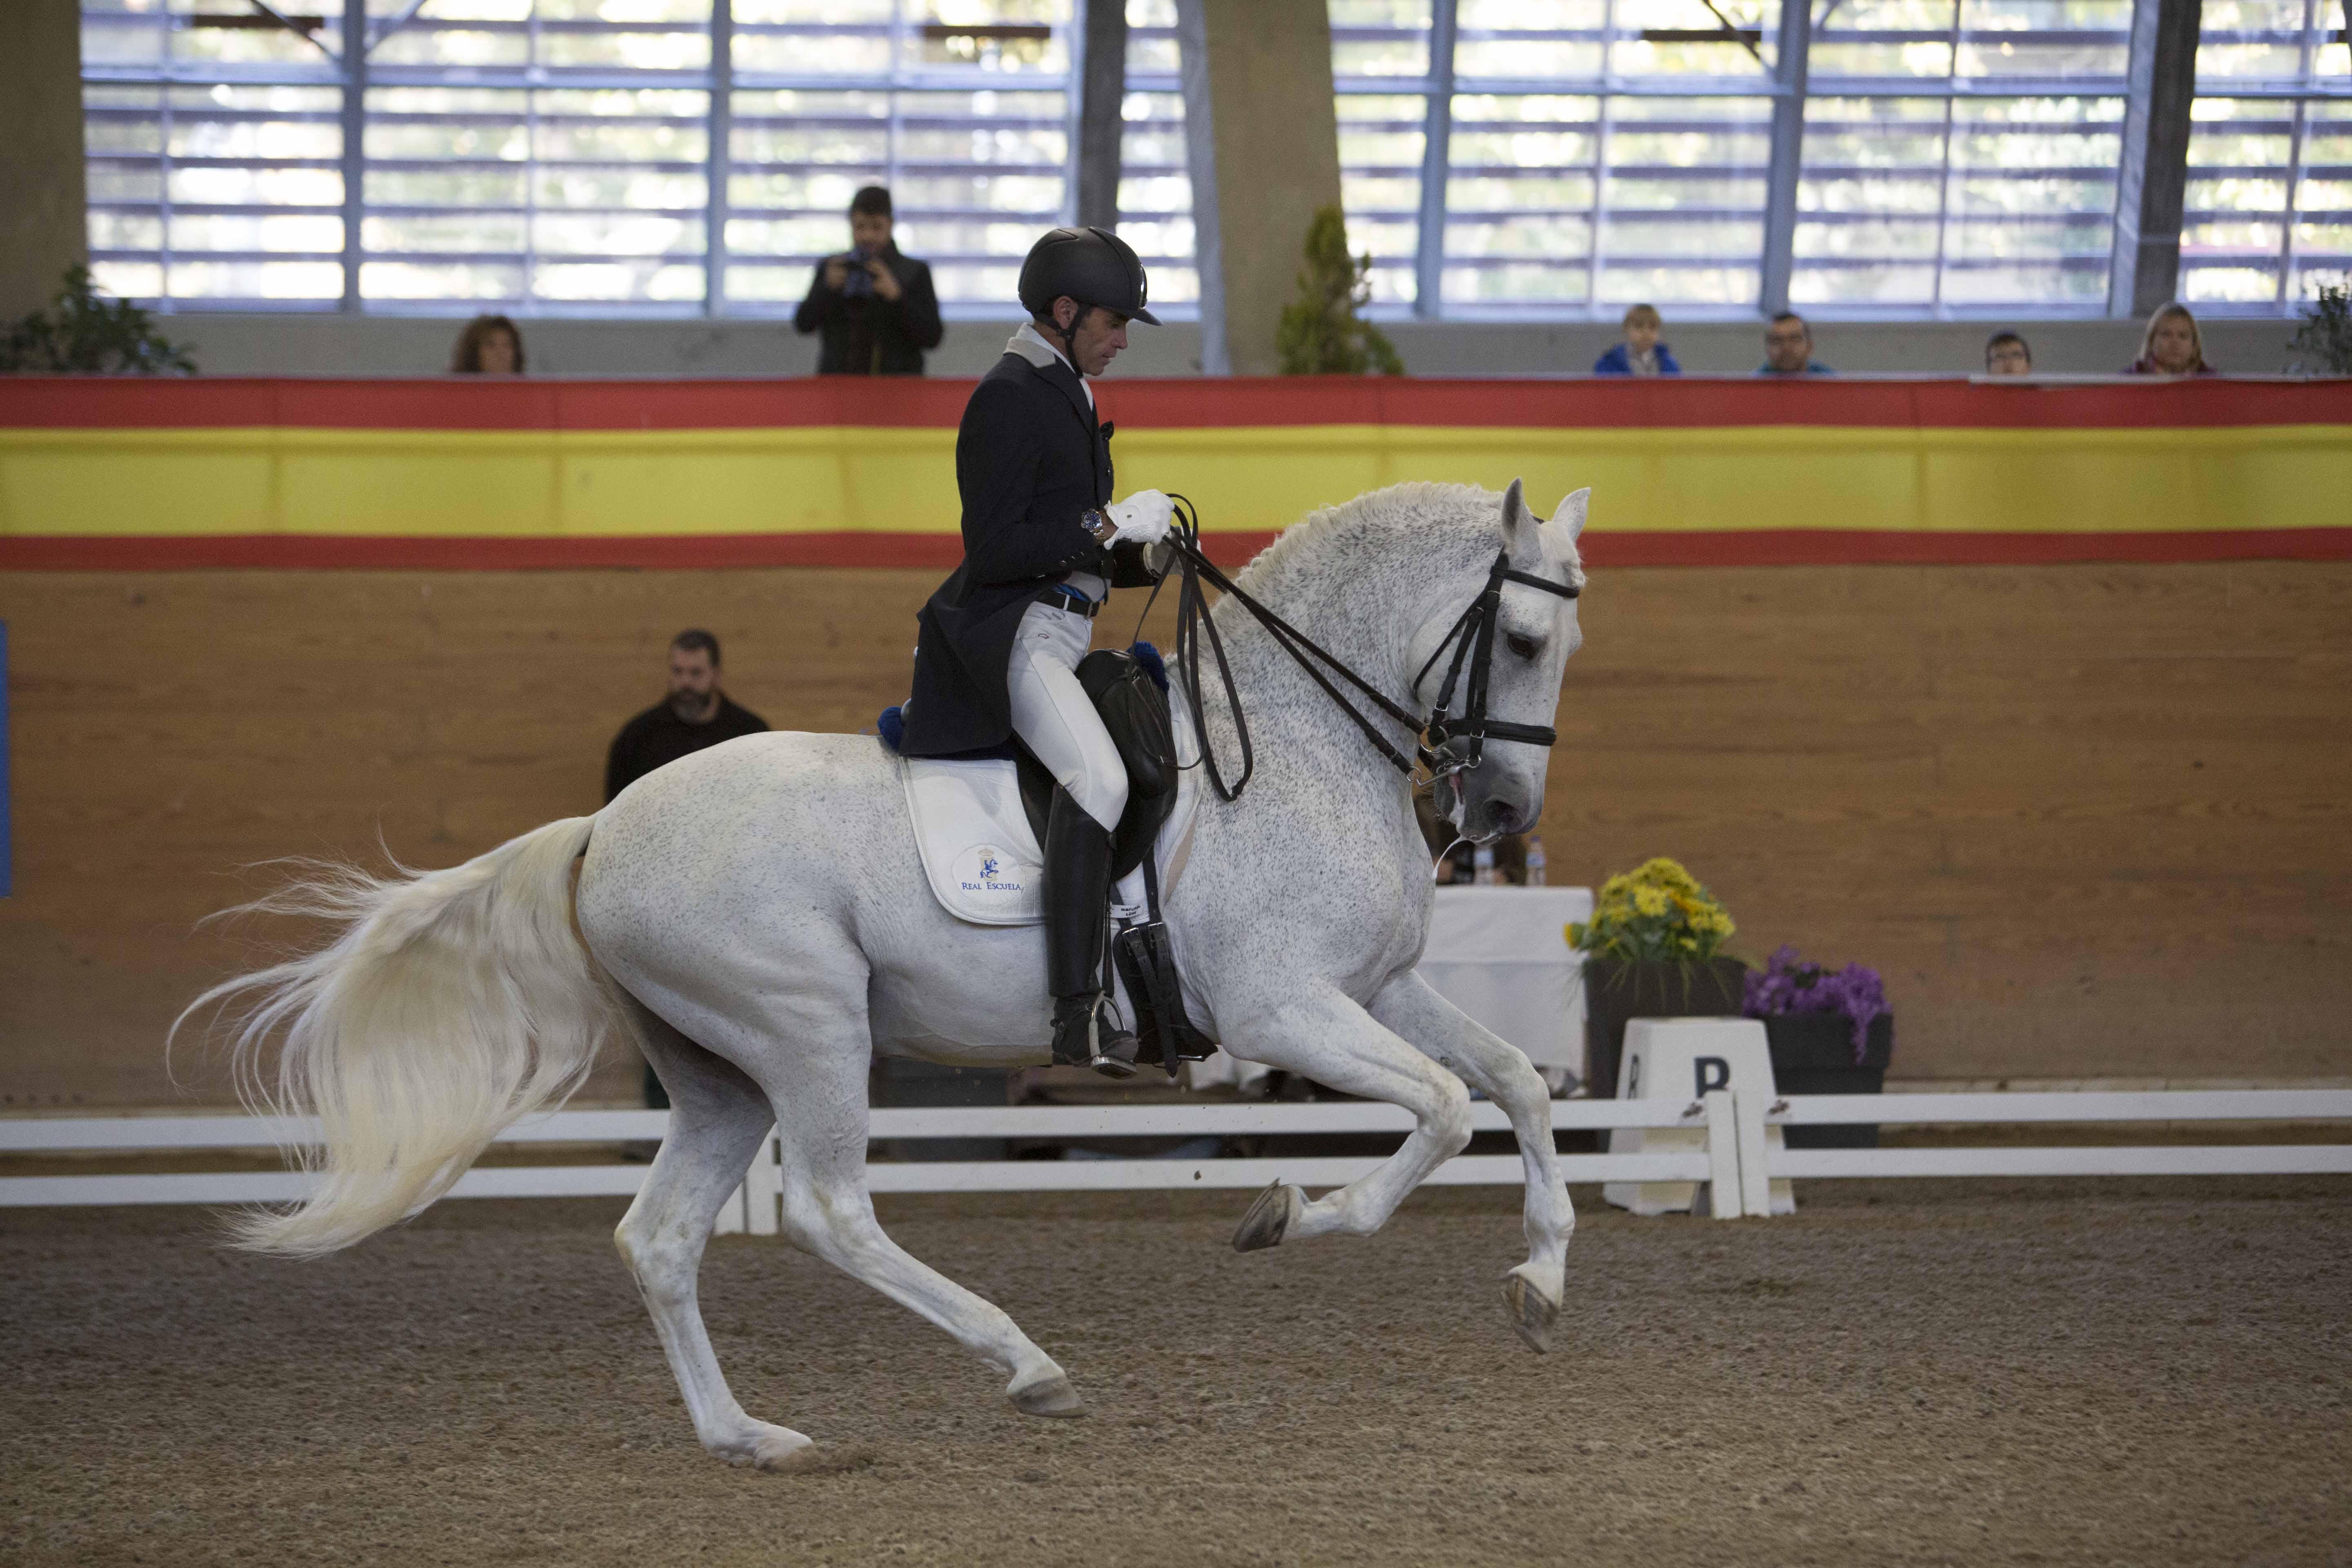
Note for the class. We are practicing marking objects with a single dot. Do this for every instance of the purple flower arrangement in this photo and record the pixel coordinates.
(1787, 985)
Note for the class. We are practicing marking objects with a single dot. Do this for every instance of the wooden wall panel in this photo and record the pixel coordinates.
(2089, 819)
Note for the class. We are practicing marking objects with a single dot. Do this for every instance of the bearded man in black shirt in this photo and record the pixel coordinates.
(696, 714)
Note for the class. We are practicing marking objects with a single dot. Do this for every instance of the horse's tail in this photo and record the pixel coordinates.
(450, 1004)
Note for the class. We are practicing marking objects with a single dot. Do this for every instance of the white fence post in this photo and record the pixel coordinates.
(730, 1213)
(763, 1188)
(1727, 1196)
(1755, 1159)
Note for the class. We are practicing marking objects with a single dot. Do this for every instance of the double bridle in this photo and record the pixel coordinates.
(1472, 639)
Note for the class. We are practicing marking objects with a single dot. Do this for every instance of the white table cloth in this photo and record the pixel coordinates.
(1501, 954)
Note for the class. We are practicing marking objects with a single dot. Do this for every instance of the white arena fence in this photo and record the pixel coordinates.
(1736, 1157)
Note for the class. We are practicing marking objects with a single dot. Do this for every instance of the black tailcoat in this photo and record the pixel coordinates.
(1029, 457)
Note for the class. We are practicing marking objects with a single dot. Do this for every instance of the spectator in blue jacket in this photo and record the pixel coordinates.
(1640, 354)
(1789, 348)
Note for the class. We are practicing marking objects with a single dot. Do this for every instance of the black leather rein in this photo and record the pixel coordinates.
(1472, 639)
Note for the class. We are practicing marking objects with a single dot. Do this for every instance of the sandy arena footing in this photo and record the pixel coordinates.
(1957, 1372)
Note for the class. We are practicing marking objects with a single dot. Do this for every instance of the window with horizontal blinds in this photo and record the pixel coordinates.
(664, 156)
(2267, 213)
(1155, 180)
(587, 156)
(1961, 154)
(215, 155)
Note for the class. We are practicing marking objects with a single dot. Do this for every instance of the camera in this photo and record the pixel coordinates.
(859, 284)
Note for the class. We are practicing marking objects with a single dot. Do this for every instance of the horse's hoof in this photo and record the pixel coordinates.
(1532, 1314)
(780, 1453)
(1048, 1396)
(1268, 1218)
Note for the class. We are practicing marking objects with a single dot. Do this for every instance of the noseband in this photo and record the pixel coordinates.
(1472, 639)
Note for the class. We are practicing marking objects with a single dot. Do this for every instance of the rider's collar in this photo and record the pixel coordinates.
(1033, 346)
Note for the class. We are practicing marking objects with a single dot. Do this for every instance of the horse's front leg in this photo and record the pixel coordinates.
(1501, 1071)
(1332, 1040)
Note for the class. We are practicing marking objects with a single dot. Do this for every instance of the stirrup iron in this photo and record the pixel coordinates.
(1087, 1033)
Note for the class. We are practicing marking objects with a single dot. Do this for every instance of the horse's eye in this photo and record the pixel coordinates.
(1525, 646)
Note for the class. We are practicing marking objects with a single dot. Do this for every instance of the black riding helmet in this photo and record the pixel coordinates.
(1092, 266)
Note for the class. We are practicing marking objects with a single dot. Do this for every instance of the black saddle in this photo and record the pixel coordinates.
(1129, 690)
(1134, 709)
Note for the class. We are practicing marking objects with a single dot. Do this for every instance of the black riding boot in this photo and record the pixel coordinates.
(1078, 913)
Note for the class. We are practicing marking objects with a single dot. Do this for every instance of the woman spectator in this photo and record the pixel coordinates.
(491, 345)
(2173, 345)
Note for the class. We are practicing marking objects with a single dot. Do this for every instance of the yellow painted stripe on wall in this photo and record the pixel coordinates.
(599, 483)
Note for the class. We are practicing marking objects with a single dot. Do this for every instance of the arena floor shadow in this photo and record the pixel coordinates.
(1976, 1372)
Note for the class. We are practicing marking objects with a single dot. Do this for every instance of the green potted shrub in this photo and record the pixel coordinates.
(1652, 949)
(1830, 1032)
(85, 334)
(2324, 339)
(1319, 333)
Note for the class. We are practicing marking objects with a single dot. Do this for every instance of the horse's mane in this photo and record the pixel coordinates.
(1380, 520)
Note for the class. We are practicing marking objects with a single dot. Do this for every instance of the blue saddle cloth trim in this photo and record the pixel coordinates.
(892, 723)
(892, 726)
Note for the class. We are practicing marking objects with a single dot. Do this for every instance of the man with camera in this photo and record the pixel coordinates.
(875, 307)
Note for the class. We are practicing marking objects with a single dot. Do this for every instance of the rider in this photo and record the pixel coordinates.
(1043, 545)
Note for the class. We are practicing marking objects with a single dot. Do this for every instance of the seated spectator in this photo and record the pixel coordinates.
(2172, 346)
(491, 345)
(695, 714)
(2006, 354)
(1640, 354)
(1789, 348)
(875, 308)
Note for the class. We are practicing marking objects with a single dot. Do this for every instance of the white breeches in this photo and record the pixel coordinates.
(1054, 718)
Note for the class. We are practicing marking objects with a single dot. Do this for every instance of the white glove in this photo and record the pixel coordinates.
(1142, 518)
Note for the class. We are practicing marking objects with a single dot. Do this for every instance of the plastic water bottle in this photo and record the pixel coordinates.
(1535, 861)
(1482, 866)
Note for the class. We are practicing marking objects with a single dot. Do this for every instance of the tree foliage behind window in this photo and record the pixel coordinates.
(1320, 334)
(2324, 339)
(83, 332)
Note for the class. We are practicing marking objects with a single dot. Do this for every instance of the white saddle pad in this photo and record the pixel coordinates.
(984, 863)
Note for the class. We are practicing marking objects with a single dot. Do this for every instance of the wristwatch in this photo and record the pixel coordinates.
(1094, 522)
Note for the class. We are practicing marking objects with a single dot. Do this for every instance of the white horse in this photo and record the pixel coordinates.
(757, 917)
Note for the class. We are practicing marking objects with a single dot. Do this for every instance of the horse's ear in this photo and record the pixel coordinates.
(1570, 514)
(1519, 524)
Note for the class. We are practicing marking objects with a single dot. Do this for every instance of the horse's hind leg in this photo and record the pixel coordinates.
(1532, 1290)
(718, 1119)
(817, 1088)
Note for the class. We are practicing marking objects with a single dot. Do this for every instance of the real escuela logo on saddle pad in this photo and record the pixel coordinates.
(988, 871)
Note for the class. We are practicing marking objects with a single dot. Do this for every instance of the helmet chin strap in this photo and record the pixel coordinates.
(1069, 337)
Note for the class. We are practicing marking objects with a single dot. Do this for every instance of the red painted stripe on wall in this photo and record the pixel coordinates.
(941, 551)
(462, 403)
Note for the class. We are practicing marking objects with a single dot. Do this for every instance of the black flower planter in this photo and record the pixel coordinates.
(1617, 990)
(1812, 1053)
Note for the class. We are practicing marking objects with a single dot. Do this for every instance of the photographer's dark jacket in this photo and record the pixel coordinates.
(870, 335)
(1029, 457)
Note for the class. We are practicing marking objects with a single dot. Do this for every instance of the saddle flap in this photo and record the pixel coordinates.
(983, 861)
(979, 824)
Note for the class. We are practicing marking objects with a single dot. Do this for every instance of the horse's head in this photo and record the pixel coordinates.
(1534, 634)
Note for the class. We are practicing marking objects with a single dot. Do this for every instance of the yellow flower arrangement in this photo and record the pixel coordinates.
(1658, 912)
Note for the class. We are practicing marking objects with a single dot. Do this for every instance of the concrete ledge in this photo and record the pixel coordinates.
(302, 343)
